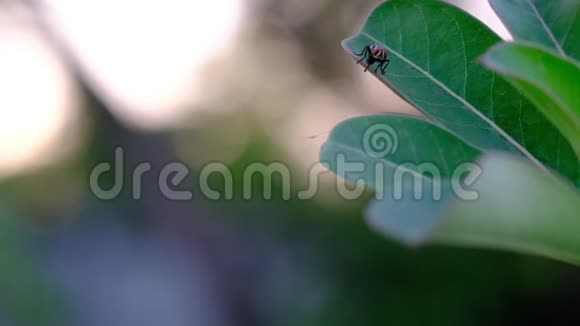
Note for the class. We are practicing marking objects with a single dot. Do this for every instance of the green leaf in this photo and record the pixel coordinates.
(554, 24)
(519, 209)
(357, 147)
(433, 47)
(549, 81)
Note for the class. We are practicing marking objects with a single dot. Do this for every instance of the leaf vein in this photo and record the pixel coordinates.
(428, 38)
(545, 26)
(462, 38)
(565, 37)
(520, 120)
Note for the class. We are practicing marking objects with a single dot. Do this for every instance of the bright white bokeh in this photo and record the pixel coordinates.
(145, 57)
(36, 101)
(482, 10)
(147, 60)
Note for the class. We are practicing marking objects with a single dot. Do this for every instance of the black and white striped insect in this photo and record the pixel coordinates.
(375, 53)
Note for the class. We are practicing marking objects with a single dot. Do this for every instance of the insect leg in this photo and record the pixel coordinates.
(370, 62)
(364, 54)
(364, 51)
(385, 66)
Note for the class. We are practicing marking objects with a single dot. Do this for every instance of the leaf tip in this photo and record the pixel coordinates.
(345, 46)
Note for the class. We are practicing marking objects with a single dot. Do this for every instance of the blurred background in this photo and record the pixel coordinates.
(230, 81)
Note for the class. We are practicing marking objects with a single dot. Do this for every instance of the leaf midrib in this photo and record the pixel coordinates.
(500, 131)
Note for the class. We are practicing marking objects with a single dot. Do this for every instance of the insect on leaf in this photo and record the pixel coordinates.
(433, 50)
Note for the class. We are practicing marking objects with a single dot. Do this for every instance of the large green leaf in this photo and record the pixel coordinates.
(519, 209)
(357, 147)
(552, 23)
(433, 48)
(550, 81)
